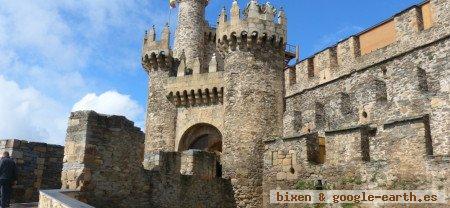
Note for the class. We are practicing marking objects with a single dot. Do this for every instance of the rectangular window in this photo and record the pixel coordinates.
(310, 66)
(316, 150)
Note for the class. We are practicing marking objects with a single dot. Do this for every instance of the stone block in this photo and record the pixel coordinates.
(287, 162)
(281, 176)
(41, 161)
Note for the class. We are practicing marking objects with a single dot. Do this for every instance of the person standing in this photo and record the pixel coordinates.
(8, 178)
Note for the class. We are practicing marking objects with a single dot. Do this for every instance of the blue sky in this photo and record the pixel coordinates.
(62, 55)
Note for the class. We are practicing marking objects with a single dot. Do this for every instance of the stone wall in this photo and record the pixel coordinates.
(189, 179)
(161, 113)
(103, 160)
(39, 166)
(379, 119)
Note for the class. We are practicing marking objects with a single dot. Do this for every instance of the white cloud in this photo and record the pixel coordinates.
(26, 113)
(113, 103)
(54, 52)
(65, 38)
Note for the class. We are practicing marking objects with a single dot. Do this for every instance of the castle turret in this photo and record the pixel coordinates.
(151, 45)
(189, 37)
(253, 50)
(161, 113)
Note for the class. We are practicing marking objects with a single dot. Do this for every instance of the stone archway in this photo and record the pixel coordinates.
(201, 136)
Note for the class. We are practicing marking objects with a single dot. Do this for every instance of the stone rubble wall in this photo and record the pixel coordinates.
(48, 202)
(188, 179)
(39, 166)
(383, 115)
(103, 160)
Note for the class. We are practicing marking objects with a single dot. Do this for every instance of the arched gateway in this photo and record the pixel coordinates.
(201, 136)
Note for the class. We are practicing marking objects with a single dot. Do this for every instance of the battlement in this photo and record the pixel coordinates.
(191, 162)
(411, 28)
(152, 45)
(156, 55)
(257, 27)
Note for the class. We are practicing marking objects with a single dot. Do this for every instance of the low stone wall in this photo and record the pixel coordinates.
(188, 179)
(39, 166)
(60, 199)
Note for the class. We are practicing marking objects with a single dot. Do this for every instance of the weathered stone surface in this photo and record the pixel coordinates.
(39, 166)
(61, 199)
(107, 172)
(380, 113)
(370, 112)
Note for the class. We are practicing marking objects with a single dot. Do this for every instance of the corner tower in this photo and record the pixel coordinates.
(253, 50)
(189, 37)
(158, 62)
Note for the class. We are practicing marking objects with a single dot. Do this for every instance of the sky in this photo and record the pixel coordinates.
(58, 56)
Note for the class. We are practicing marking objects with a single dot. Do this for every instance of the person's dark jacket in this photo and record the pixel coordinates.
(8, 169)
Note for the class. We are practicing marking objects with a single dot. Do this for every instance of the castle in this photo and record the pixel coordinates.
(371, 112)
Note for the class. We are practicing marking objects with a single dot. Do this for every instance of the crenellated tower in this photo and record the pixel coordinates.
(253, 50)
(158, 62)
(152, 45)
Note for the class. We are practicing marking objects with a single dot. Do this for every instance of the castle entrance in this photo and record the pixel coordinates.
(202, 137)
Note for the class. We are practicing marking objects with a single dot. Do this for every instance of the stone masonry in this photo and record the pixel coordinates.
(371, 109)
(39, 167)
(228, 119)
(253, 102)
(98, 160)
(377, 119)
(100, 170)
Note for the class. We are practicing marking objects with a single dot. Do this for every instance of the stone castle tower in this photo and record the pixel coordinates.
(219, 89)
(371, 107)
(253, 51)
(228, 121)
